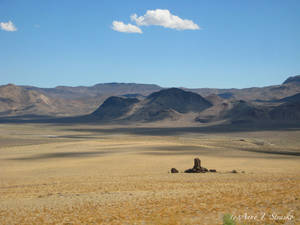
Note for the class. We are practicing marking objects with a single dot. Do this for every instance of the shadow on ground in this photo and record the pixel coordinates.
(60, 155)
(123, 127)
(170, 131)
(196, 150)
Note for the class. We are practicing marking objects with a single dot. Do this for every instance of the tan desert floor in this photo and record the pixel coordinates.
(109, 175)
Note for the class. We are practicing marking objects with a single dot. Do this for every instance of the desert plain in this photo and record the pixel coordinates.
(120, 174)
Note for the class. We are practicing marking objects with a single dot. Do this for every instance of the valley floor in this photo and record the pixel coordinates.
(92, 174)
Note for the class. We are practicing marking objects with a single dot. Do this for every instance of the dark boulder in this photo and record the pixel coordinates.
(174, 170)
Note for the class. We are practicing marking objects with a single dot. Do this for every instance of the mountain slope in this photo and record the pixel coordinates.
(16, 100)
(288, 110)
(177, 99)
(165, 104)
(114, 108)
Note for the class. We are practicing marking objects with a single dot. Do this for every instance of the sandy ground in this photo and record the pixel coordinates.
(51, 174)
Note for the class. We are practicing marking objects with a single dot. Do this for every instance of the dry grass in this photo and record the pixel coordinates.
(90, 175)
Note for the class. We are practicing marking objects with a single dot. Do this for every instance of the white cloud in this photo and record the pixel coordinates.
(9, 26)
(127, 28)
(163, 17)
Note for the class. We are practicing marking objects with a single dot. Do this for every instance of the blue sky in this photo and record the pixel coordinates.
(71, 42)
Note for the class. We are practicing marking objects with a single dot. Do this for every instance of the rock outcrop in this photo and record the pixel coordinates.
(197, 167)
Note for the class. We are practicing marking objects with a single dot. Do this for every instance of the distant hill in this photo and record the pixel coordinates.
(170, 103)
(164, 104)
(243, 111)
(63, 100)
(233, 111)
(238, 111)
(155, 102)
(114, 108)
(16, 100)
(177, 99)
(175, 104)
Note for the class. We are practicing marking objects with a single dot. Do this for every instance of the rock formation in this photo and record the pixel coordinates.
(197, 167)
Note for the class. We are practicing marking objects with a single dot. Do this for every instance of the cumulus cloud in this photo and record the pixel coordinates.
(9, 26)
(127, 28)
(163, 17)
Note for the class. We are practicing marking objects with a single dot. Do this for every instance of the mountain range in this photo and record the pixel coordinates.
(116, 102)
